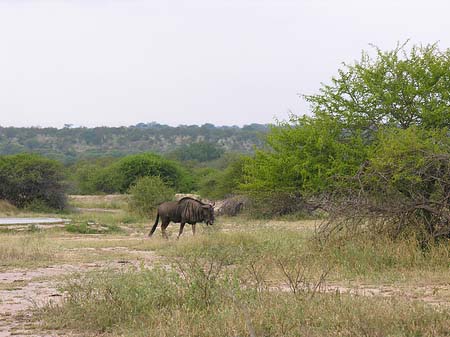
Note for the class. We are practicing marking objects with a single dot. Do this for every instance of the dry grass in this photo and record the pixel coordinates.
(110, 201)
(235, 278)
(7, 209)
(161, 303)
(29, 250)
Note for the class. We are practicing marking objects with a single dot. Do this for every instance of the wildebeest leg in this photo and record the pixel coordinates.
(181, 229)
(193, 229)
(163, 229)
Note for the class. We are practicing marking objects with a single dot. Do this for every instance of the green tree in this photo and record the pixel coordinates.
(398, 88)
(31, 179)
(306, 156)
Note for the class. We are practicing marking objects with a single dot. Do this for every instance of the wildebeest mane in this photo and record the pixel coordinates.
(190, 198)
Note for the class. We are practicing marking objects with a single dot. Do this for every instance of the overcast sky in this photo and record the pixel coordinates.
(227, 62)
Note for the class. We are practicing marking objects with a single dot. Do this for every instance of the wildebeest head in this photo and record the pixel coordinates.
(208, 214)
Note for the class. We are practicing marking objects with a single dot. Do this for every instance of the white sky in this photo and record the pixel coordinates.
(100, 62)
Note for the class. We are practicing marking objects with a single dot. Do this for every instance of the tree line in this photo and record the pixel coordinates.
(70, 144)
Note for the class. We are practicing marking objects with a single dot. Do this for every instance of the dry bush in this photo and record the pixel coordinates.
(404, 189)
(274, 204)
(30, 250)
(7, 208)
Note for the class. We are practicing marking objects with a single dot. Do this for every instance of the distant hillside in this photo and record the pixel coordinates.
(69, 144)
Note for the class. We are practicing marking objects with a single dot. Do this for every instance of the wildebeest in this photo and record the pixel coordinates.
(186, 210)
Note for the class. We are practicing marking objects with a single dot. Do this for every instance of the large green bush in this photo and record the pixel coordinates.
(27, 180)
(92, 176)
(117, 176)
(306, 156)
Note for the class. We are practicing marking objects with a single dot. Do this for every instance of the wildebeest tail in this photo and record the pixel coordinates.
(155, 225)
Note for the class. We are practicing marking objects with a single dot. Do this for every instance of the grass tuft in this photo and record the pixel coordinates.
(25, 251)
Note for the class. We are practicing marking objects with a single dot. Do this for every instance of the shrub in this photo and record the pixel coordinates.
(91, 176)
(403, 188)
(224, 181)
(305, 156)
(32, 179)
(147, 193)
(126, 171)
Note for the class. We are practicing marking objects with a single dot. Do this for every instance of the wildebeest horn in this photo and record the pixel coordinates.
(213, 203)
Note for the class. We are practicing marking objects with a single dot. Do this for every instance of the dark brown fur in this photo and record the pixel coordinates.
(186, 210)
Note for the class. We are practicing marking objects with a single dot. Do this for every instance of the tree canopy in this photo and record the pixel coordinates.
(398, 88)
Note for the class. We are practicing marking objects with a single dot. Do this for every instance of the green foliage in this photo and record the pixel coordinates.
(220, 183)
(147, 193)
(200, 152)
(130, 168)
(409, 162)
(28, 179)
(307, 155)
(398, 88)
(110, 175)
(91, 176)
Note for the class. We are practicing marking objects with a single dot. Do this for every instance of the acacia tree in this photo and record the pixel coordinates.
(398, 88)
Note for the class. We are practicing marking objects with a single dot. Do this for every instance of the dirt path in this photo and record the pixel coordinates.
(436, 295)
(24, 290)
